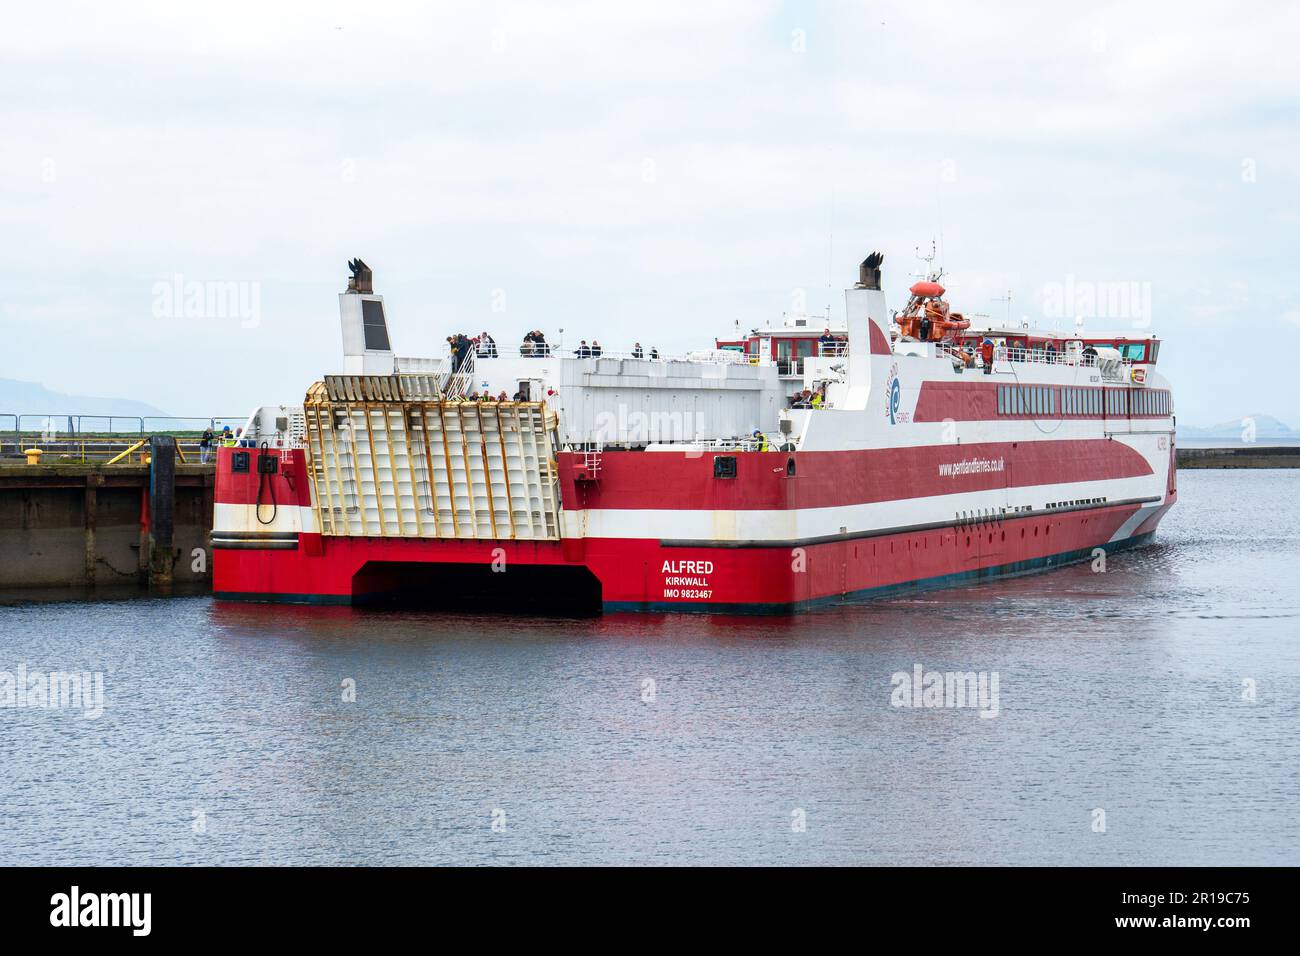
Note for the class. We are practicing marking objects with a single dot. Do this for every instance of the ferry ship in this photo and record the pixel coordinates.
(780, 469)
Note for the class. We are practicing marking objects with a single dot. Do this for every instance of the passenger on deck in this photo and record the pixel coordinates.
(637, 351)
(802, 400)
(487, 346)
(583, 350)
(654, 352)
(595, 349)
(534, 345)
(827, 342)
(502, 396)
(460, 345)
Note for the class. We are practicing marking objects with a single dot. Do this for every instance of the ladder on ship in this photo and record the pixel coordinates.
(390, 456)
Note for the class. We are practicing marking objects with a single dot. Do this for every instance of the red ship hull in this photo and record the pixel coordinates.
(630, 573)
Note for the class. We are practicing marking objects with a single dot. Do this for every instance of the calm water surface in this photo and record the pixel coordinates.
(1121, 691)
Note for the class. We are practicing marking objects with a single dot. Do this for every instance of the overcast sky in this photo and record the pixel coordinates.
(628, 171)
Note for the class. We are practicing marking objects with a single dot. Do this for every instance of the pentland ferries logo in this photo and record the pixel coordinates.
(894, 398)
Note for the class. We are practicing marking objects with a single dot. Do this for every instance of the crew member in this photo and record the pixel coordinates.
(760, 440)
(986, 353)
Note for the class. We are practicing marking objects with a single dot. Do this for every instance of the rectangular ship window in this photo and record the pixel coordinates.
(724, 466)
(372, 324)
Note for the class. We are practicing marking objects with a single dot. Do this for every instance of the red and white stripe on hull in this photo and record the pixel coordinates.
(660, 532)
(640, 573)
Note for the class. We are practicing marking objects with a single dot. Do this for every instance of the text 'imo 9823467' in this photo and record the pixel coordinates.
(777, 470)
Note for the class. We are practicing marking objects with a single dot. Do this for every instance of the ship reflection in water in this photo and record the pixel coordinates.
(1125, 730)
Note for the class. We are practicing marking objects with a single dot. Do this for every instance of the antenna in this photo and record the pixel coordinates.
(1007, 299)
(929, 272)
(830, 242)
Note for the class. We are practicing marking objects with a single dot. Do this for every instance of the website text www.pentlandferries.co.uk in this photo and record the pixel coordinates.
(970, 466)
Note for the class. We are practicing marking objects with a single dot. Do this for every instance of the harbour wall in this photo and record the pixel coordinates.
(1241, 456)
(91, 526)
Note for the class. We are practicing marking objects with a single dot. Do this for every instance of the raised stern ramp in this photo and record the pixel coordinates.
(390, 456)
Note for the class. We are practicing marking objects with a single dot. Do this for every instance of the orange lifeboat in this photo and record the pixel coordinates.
(927, 317)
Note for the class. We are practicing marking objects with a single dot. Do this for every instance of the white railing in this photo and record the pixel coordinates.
(458, 383)
(1022, 356)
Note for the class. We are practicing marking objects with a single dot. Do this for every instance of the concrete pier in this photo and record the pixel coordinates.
(102, 525)
(1240, 456)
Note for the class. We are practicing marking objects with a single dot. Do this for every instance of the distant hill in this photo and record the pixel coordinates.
(1267, 428)
(32, 399)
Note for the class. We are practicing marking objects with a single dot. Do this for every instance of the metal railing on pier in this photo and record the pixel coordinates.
(90, 439)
